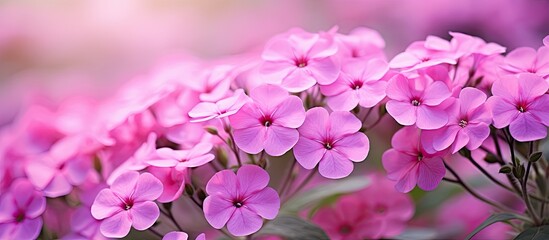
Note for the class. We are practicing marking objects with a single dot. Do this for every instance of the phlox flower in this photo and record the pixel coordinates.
(182, 159)
(419, 101)
(205, 111)
(528, 60)
(409, 164)
(332, 141)
(361, 43)
(468, 125)
(521, 103)
(299, 60)
(173, 181)
(20, 210)
(269, 122)
(138, 161)
(175, 235)
(465, 45)
(128, 202)
(358, 84)
(348, 219)
(240, 200)
(423, 54)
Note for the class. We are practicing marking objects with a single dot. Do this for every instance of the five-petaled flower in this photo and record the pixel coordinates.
(240, 200)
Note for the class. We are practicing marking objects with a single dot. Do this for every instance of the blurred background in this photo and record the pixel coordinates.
(57, 48)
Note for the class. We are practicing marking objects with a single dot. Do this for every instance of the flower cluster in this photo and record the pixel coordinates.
(225, 147)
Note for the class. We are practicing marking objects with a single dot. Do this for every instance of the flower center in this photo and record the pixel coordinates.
(415, 102)
(19, 216)
(266, 121)
(380, 209)
(419, 157)
(238, 204)
(521, 109)
(328, 145)
(345, 229)
(301, 62)
(357, 84)
(462, 123)
(127, 204)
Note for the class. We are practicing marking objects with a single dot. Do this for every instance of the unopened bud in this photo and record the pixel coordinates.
(534, 157)
(211, 130)
(505, 169)
(189, 189)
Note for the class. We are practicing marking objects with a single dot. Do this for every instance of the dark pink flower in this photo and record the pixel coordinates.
(205, 111)
(128, 202)
(332, 141)
(173, 182)
(358, 84)
(269, 122)
(181, 159)
(521, 103)
(418, 101)
(20, 210)
(240, 200)
(299, 60)
(409, 164)
(468, 125)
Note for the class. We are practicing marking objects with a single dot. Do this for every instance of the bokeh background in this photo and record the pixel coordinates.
(57, 48)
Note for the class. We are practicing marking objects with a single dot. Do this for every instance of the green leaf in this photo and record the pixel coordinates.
(291, 227)
(537, 233)
(535, 156)
(506, 169)
(417, 233)
(499, 217)
(316, 194)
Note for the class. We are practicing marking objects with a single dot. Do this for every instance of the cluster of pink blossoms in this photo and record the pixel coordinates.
(195, 143)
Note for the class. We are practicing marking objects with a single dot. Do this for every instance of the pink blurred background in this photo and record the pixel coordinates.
(59, 48)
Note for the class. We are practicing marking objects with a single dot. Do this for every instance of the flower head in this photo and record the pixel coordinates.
(181, 159)
(521, 103)
(332, 141)
(423, 54)
(240, 200)
(409, 164)
(528, 60)
(205, 111)
(269, 122)
(128, 202)
(20, 211)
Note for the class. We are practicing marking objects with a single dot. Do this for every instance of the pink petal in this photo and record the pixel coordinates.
(531, 86)
(461, 141)
(522, 58)
(375, 69)
(403, 60)
(251, 139)
(430, 173)
(222, 183)
(36, 206)
(355, 146)
(200, 149)
(324, 70)
(265, 203)
(106, 204)
(76, 170)
(144, 214)
(431, 117)
(28, 229)
(278, 50)
(197, 161)
(470, 98)
(117, 226)
(406, 139)
(268, 96)
(344, 101)
(398, 88)
(40, 174)
(175, 235)
(125, 184)
(247, 116)
(314, 126)
(217, 211)
(148, 188)
(372, 93)
(251, 178)
(477, 134)
(172, 181)
(308, 152)
(507, 88)
(503, 111)
(279, 140)
(299, 80)
(539, 108)
(203, 111)
(335, 166)
(342, 123)
(526, 128)
(444, 137)
(403, 112)
(58, 186)
(7, 206)
(275, 72)
(337, 87)
(408, 180)
(397, 163)
(435, 94)
(244, 222)
(290, 113)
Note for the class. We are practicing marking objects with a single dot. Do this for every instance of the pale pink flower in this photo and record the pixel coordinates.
(182, 159)
(128, 202)
(421, 54)
(298, 60)
(409, 164)
(419, 101)
(361, 42)
(521, 103)
(332, 141)
(528, 60)
(205, 111)
(240, 200)
(358, 84)
(20, 210)
(468, 125)
(269, 122)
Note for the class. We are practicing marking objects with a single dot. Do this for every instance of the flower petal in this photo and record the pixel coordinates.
(279, 140)
(343, 123)
(148, 188)
(144, 214)
(315, 124)
(289, 113)
(355, 146)
(430, 173)
(403, 112)
(335, 166)
(251, 139)
(125, 184)
(217, 211)
(223, 183)
(308, 152)
(106, 204)
(244, 222)
(266, 203)
(117, 226)
(527, 128)
(431, 117)
(251, 178)
(175, 235)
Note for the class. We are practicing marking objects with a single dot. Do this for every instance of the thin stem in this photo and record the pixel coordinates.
(196, 202)
(366, 115)
(155, 232)
(488, 175)
(375, 123)
(287, 179)
(460, 182)
(303, 183)
(215, 168)
(169, 214)
(525, 190)
(498, 147)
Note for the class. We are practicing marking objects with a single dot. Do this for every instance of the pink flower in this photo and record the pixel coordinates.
(175, 235)
(417, 101)
(466, 45)
(358, 84)
(205, 111)
(182, 159)
(409, 164)
(361, 43)
(138, 161)
(299, 60)
(422, 54)
(527, 60)
(348, 219)
(128, 202)
(546, 41)
(520, 102)
(269, 122)
(240, 200)
(332, 141)
(173, 181)
(469, 124)
(20, 211)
